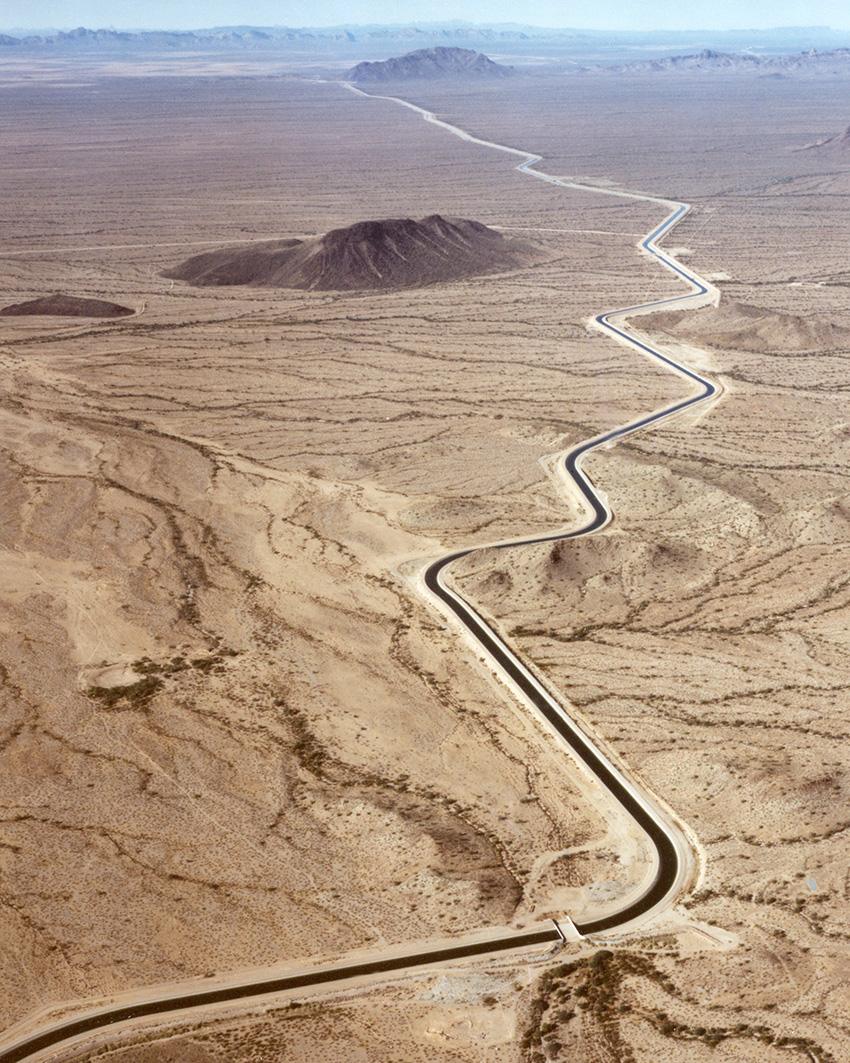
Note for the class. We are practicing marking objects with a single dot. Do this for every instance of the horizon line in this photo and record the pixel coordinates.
(447, 23)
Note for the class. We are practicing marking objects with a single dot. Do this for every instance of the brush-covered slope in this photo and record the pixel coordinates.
(734, 325)
(839, 145)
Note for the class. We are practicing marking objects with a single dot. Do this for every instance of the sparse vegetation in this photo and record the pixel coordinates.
(137, 695)
(154, 674)
(598, 997)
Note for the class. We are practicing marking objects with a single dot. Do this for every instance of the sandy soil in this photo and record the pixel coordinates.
(250, 720)
(446, 1018)
(211, 506)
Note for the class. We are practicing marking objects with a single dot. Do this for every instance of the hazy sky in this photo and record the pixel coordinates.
(601, 14)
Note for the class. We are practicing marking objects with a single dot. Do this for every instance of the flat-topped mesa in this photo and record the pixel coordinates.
(431, 64)
(369, 255)
(66, 306)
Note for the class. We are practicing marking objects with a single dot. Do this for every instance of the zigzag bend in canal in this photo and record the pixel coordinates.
(673, 853)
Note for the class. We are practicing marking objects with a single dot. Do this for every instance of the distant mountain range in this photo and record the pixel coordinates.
(270, 37)
(431, 64)
(761, 52)
(99, 40)
(835, 61)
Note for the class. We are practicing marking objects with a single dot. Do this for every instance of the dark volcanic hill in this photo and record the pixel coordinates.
(66, 306)
(430, 64)
(396, 253)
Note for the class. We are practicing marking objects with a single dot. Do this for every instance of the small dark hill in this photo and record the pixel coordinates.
(66, 306)
(430, 64)
(397, 253)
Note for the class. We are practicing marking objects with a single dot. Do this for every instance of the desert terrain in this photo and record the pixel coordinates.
(233, 733)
